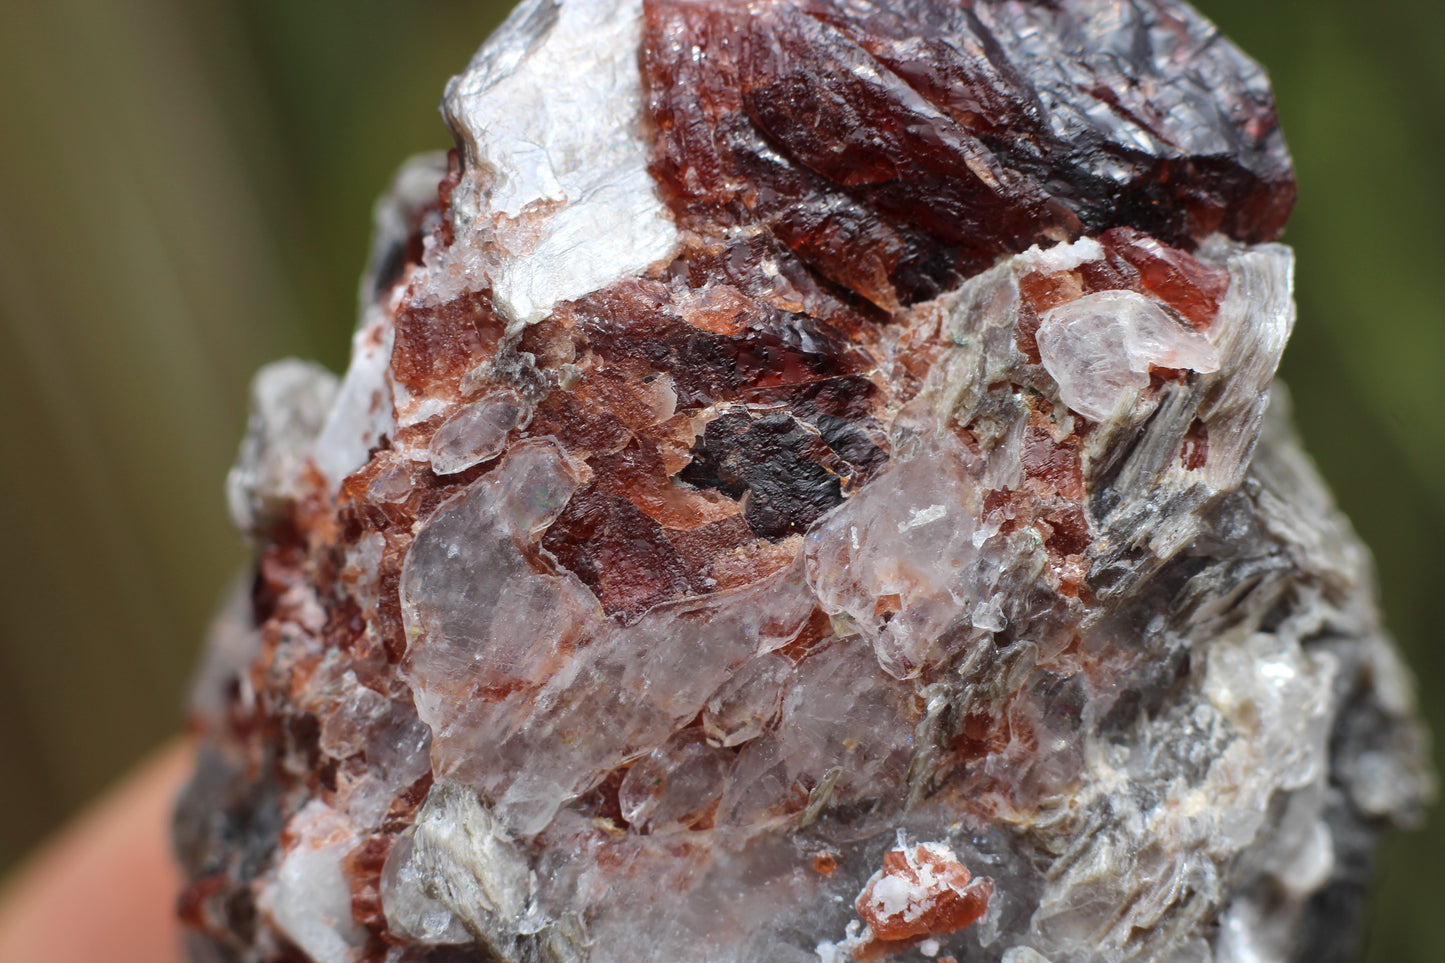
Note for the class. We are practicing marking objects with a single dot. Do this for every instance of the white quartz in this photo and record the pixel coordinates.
(557, 195)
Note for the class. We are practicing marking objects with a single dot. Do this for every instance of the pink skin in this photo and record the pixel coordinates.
(104, 889)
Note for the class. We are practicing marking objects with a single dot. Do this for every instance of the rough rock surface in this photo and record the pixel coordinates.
(808, 486)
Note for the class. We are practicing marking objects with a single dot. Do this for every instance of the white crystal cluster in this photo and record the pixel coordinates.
(1185, 759)
(1196, 826)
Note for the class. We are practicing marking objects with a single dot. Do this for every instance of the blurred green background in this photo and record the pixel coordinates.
(185, 188)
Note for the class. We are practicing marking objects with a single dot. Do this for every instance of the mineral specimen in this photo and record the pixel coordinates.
(808, 486)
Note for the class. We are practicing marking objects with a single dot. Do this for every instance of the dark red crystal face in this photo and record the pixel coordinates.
(896, 148)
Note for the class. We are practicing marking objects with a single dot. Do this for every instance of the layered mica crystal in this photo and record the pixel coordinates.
(808, 487)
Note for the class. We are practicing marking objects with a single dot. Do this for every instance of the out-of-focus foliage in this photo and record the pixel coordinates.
(185, 189)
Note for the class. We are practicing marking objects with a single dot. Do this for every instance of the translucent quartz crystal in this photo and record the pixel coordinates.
(808, 487)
